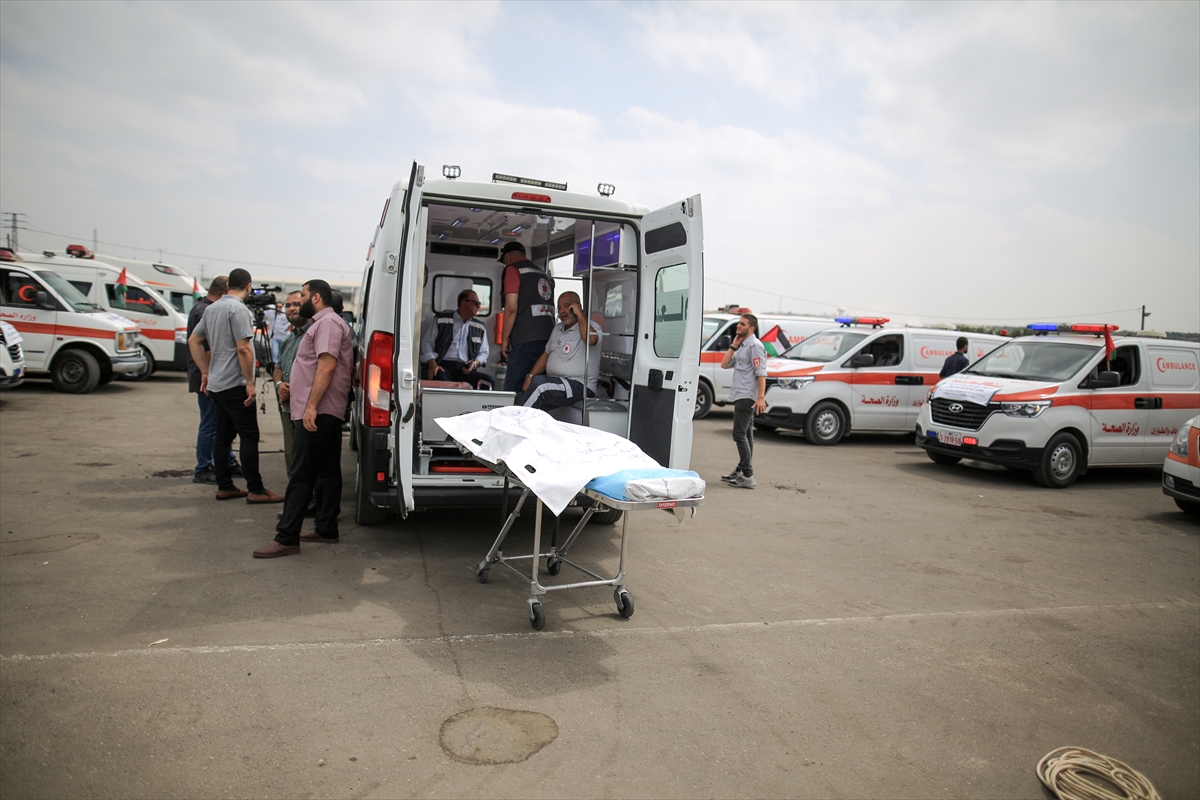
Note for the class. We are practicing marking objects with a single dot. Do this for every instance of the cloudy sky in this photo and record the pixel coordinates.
(973, 162)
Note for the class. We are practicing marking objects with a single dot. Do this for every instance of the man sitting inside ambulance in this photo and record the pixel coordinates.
(455, 344)
(557, 379)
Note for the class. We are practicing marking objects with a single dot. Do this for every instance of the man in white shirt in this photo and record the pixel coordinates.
(558, 378)
(454, 345)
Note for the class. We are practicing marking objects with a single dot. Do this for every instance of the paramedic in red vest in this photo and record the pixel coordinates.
(455, 344)
(528, 314)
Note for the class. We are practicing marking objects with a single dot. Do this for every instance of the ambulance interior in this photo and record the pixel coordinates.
(597, 259)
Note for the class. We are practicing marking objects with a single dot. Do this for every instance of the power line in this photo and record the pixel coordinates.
(915, 314)
(187, 255)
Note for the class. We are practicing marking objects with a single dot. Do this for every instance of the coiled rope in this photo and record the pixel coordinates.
(1064, 770)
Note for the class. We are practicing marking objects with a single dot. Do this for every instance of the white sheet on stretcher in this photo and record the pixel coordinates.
(554, 459)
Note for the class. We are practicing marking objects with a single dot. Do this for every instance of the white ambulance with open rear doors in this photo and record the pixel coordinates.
(1063, 401)
(639, 270)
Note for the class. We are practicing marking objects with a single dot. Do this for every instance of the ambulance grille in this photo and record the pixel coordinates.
(971, 417)
(14, 351)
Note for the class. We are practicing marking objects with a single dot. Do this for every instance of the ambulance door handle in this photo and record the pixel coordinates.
(409, 413)
(1147, 402)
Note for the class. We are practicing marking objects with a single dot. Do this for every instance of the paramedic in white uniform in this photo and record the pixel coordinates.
(557, 379)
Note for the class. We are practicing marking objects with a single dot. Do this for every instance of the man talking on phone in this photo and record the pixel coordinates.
(558, 378)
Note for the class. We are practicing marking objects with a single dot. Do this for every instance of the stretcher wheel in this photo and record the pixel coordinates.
(624, 603)
(481, 572)
(537, 617)
(553, 566)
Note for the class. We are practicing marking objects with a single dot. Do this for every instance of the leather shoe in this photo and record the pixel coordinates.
(313, 536)
(267, 496)
(275, 550)
(222, 494)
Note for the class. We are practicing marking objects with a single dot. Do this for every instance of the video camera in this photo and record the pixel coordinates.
(263, 297)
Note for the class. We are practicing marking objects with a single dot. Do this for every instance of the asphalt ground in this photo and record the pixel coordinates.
(865, 623)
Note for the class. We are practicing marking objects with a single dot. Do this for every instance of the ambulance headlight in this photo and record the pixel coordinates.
(126, 341)
(794, 383)
(1032, 408)
(1180, 446)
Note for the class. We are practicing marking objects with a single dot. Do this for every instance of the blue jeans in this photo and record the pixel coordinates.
(206, 436)
(521, 359)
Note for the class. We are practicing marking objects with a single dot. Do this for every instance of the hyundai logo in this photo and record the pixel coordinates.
(956, 408)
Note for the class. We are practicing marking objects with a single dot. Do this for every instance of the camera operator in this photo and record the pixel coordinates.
(227, 375)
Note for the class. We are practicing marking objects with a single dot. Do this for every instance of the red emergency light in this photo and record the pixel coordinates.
(874, 321)
(533, 198)
(79, 251)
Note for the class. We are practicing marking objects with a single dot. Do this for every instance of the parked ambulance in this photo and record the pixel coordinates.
(1063, 401)
(860, 377)
(12, 360)
(163, 336)
(781, 331)
(638, 270)
(1181, 468)
(77, 343)
(173, 283)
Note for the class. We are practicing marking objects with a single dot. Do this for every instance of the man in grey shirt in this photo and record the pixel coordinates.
(563, 361)
(748, 359)
(227, 375)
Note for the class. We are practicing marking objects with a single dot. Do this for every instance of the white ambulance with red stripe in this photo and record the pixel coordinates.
(63, 334)
(172, 282)
(163, 338)
(860, 376)
(1063, 401)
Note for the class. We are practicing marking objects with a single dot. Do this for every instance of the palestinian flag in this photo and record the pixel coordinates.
(122, 286)
(775, 341)
(196, 293)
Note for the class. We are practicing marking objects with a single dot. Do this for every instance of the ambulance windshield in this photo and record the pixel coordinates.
(826, 346)
(68, 292)
(1035, 360)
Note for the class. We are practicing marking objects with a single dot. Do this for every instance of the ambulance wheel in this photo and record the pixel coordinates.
(537, 617)
(943, 459)
(1188, 507)
(704, 400)
(144, 372)
(825, 424)
(75, 372)
(607, 517)
(1061, 461)
(353, 434)
(624, 603)
(107, 378)
(365, 512)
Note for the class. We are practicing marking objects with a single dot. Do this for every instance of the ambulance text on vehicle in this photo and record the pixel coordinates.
(1063, 401)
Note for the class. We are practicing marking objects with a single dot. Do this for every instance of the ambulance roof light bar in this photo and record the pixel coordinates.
(498, 177)
(874, 322)
(1042, 328)
(79, 251)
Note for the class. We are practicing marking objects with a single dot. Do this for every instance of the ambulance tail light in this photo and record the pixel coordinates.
(533, 198)
(377, 374)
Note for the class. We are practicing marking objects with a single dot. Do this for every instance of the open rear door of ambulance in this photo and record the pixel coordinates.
(408, 304)
(666, 362)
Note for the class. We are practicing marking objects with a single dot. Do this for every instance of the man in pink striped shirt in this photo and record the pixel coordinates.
(320, 383)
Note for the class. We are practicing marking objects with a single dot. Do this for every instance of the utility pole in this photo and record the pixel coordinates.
(13, 241)
(1144, 315)
(95, 238)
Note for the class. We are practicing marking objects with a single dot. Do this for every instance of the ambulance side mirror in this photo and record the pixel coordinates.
(1106, 380)
(42, 300)
(862, 360)
(723, 342)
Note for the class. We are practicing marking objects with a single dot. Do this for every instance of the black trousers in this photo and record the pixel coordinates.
(233, 416)
(316, 470)
(743, 434)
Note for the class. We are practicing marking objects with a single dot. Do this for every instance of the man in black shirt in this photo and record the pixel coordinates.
(956, 362)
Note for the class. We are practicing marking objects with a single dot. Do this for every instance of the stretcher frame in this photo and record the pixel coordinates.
(557, 556)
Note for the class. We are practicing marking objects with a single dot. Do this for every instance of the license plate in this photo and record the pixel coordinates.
(952, 439)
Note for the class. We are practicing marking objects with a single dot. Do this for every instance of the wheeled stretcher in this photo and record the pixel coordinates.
(556, 556)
